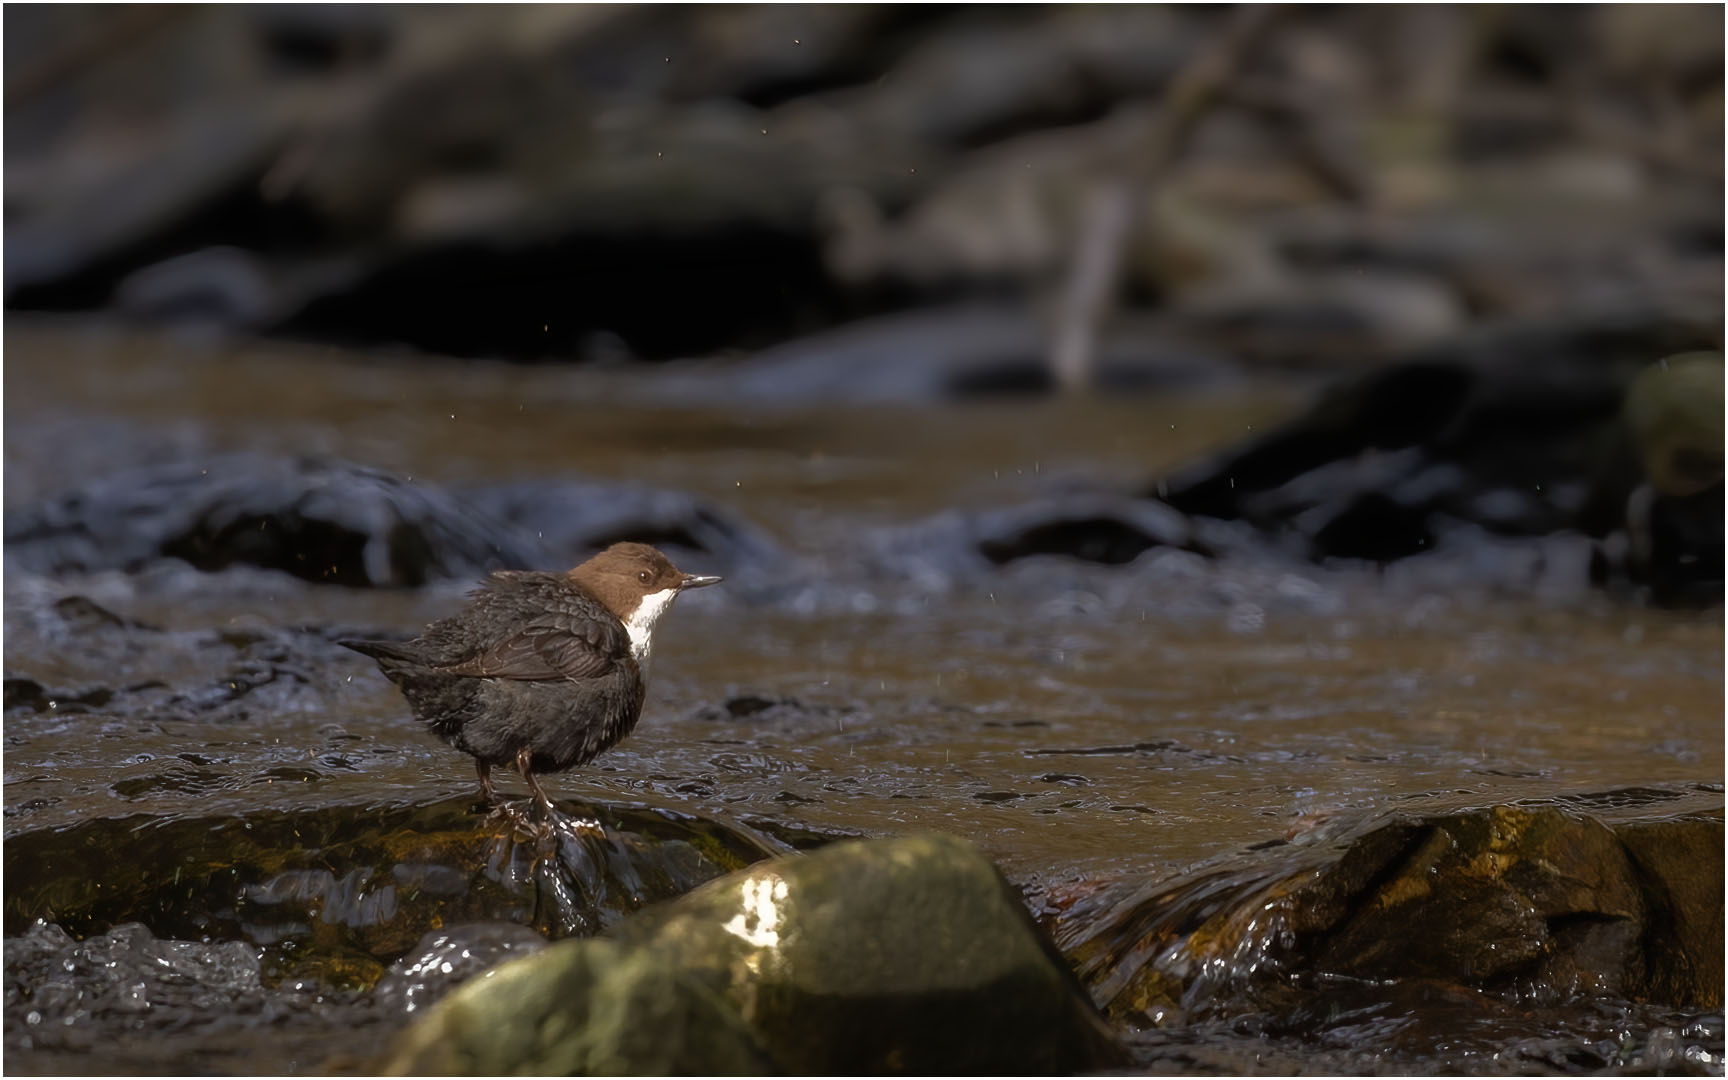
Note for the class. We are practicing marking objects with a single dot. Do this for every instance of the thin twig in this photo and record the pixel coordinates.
(1110, 214)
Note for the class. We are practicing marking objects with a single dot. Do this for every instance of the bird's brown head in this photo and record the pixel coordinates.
(624, 575)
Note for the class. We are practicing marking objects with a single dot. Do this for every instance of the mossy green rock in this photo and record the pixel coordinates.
(1674, 410)
(879, 956)
(580, 1008)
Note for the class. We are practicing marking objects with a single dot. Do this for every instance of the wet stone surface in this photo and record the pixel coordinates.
(358, 886)
(1444, 942)
(908, 954)
(445, 958)
(154, 1005)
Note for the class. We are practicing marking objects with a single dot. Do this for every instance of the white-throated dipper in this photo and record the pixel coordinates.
(543, 671)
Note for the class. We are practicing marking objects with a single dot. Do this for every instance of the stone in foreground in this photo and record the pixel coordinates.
(584, 1008)
(908, 955)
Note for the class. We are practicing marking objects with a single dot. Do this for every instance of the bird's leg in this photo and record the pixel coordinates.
(485, 772)
(524, 757)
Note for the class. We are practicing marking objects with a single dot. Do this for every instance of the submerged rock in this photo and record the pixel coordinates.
(127, 971)
(342, 890)
(127, 1002)
(1535, 902)
(74, 667)
(445, 958)
(904, 955)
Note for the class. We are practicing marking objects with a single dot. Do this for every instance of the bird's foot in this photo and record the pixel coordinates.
(541, 822)
(519, 817)
(581, 826)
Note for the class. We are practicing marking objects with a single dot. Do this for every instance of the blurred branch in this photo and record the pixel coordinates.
(1113, 208)
(1110, 214)
(1307, 129)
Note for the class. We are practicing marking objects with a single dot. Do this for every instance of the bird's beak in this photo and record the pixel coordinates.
(696, 581)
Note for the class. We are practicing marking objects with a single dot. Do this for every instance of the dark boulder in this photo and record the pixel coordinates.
(322, 520)
(1089, 527)
(1526, 433)
(336, 522)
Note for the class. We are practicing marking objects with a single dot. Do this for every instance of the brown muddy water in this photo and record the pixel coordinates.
(1081, 724)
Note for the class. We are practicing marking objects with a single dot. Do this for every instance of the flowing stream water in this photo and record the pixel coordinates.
(1098, 729)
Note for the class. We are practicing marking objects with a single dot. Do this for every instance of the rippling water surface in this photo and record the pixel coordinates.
(1078, 722)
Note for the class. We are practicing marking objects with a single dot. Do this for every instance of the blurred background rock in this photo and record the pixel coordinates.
(1515, 210)
(595, 182)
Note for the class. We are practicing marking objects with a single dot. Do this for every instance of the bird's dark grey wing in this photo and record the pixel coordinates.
(553, 645)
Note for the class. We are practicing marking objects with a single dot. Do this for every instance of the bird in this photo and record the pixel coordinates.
(541, 670)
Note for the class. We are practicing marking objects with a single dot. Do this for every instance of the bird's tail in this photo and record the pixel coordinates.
(392, 656)
(377, 650)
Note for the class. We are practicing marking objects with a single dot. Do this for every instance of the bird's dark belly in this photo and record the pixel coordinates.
(563, 723)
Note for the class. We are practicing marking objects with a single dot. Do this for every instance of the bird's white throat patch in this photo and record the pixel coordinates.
(641, 623)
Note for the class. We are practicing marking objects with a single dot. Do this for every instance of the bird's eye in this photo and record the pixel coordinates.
(644, 576)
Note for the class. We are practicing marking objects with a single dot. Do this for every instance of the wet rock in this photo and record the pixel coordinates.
(1677, 863)
(833, 992)
(447, 957)
(32, 696)
(68, 655)
(357, 886)
(1534, 388)
(772, 713)
(1094, 528)
(1673, 416)
(1473, 899)
(126, 970)
(591, 1008)
(903, 955)
(127, 1001)
(1463, 444)
(321, 520)
(335, 522)
(1539, 901)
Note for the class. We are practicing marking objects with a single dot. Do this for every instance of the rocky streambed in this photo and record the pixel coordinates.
(1227, 806)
